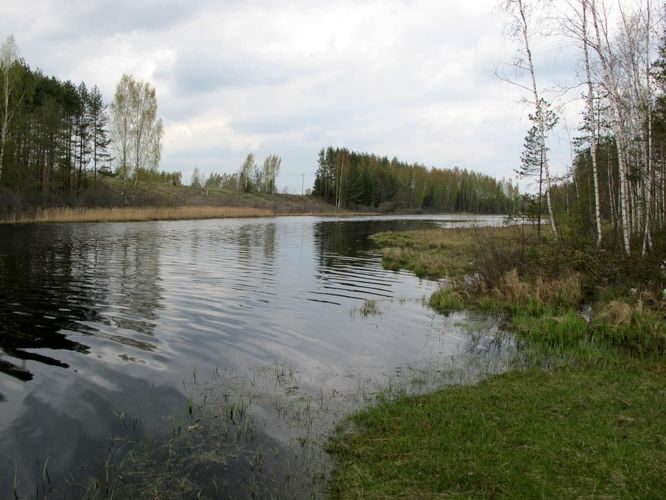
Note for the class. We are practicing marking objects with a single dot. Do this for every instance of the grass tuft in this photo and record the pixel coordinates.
(447, 300)
(638, 329)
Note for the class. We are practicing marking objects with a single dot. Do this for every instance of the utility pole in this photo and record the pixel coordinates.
(302, 184)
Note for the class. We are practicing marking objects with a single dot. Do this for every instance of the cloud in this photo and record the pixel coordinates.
(103, 18)
(405, 78)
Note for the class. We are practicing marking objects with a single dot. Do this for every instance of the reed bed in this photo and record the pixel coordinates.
(127, 214)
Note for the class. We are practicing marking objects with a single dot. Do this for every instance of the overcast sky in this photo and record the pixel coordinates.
(406, 78)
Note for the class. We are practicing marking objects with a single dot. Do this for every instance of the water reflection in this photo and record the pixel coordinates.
(40, 298)
(346, 265)
(103, 320)
(60, 284)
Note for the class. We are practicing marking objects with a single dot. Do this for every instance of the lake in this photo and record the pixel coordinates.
(209, 357)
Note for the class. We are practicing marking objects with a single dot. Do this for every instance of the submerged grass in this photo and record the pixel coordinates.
(221, 444)
(368, 308)
(582, 413)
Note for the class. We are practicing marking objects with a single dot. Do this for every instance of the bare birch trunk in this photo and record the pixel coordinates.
(593, 125)
(539, 114)
(647, 238)
(617, 128)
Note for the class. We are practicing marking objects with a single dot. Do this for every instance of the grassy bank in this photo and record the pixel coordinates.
(158, 201)
(125, 214)
(565, 433)
(582, 413)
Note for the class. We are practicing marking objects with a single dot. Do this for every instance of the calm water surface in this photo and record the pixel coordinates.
(205, 357)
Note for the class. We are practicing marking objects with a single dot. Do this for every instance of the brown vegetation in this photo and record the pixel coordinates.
(137, 214)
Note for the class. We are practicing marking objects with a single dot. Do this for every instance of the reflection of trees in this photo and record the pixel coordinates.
(136, 287)
(256, 245)
(350, 238)
(344, 267)
(55, 280)
(269, 240)
(41, 299)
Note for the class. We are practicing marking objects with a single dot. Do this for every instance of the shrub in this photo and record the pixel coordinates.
(557, 294)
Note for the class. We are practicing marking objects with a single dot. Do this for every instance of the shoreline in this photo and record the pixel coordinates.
(65, 215)
(583, 395)
(146, 214)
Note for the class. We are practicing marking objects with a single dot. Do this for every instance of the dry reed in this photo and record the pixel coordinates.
(563, 291)
(126, 214)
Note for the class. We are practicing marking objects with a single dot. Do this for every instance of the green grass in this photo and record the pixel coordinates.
(446, 300)
(431, 253)
(594, 431)
(585, 418)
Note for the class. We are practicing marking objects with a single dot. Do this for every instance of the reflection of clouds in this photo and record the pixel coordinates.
(68, 419)
(69, 282)
(158, 303)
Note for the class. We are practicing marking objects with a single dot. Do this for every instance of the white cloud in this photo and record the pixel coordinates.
(405, 78)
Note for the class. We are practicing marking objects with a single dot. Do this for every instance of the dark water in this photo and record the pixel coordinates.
(208, 357)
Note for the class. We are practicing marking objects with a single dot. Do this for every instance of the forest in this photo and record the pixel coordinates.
(57, 138)
(53, 134)
(350, 179)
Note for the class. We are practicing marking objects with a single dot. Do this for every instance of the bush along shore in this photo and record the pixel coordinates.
(582, 413)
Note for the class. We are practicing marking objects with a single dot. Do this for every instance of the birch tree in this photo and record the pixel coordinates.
(271, 169)
(576, 25)
(121, 129)
(136, 129)
(8, 60)
(243, 181)
(611, 83)
(521, 26)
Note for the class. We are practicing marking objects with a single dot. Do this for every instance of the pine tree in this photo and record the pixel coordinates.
(99, 133)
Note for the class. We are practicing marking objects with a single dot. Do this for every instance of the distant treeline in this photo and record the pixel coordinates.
(350, 179)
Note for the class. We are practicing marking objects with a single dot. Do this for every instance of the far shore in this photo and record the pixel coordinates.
(184, 212)
(137, 214)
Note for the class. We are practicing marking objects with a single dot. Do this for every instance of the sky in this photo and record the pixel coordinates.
(414, 79)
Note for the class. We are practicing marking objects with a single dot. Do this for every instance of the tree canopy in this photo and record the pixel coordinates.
(350, 179)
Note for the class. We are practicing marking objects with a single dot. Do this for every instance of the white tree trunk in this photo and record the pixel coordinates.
(616, 103)
(539, 111)
(593, 123)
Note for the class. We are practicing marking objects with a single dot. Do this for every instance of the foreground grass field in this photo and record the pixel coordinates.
(582, 414)
(595, 431)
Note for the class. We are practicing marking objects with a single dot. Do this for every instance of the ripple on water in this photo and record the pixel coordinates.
(122, 328)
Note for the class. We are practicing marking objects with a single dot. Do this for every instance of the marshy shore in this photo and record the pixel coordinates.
(581, 413)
